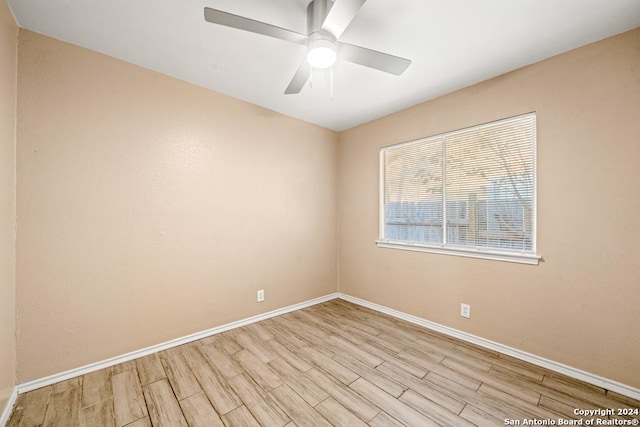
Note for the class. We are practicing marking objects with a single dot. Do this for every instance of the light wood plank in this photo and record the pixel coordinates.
(163, 406)
(179, 374)
(347, 347)
(523, 393)
(96, 387)
(559, 407)
(221, 360)
(346, 320)
(259, 331)
(128, 400)
(444, 349)
(348, 398)
(297, 409)
(443, 399)
(520, 393)
(385, 420)
(311, 334)
(359, 327)
(516, 370)
(435, 350)
(256, 347)
(480, 418)
(233, 333)
(312, 325)
(257, 370)
(485, 402)
(432, 410)
(587, 392)
(514, 376)
(337, 414)
(98, 415)
(392, 327)
(336, 329)
(192, 355)
(260, 404)
(226, 343)
(217, 389)
(514, 401)
(625, 400)
(198, 412)
(521, 381)
(422, 359)
(30, 408)
(390, 405)
(302, 385)
(283, 336)
(64, 404)
(396, 345)
(467, 363)
(517, 362)
(392, 387)
(392, 358)
(150, 369)
(345, 375)
(240, 417)
(123, 367)
(293, 359)
(473, 350)
(142, 422)
(355, 335)
(306, 332)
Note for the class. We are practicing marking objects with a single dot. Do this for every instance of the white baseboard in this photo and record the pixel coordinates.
(560, 368)
(52, 379)
(6, 412)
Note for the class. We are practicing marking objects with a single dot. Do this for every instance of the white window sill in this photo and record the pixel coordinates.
(521, 258)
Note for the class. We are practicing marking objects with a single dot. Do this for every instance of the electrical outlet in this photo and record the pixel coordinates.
(261, 295)
(465, 310)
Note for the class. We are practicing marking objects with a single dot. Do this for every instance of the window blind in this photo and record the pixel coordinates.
(471, 190)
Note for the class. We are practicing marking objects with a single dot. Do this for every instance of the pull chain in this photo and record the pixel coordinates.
(331, 82)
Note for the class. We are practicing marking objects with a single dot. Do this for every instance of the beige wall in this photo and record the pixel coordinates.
(579, 306)
(8, 67)
(149, 208)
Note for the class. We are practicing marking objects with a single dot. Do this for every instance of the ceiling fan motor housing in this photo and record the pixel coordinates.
(321, 43)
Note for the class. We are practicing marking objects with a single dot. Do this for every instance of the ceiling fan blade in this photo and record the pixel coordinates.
(240, 22)
(299, 78)
(372, 58)
(340, 16)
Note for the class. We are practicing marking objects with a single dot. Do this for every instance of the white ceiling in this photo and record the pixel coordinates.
(452, 44)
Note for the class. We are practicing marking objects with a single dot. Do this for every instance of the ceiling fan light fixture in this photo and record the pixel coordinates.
(322, 53)
(326, 22)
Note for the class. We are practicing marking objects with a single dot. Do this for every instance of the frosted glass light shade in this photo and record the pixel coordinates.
(321, 54)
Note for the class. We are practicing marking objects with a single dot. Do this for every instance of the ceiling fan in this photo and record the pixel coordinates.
(326, 21)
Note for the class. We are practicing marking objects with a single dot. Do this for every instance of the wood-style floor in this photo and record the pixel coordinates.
(331, 364)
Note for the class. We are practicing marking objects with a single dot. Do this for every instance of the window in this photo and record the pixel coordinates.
(470, 192)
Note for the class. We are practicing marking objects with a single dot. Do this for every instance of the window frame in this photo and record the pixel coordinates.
(523, 257)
